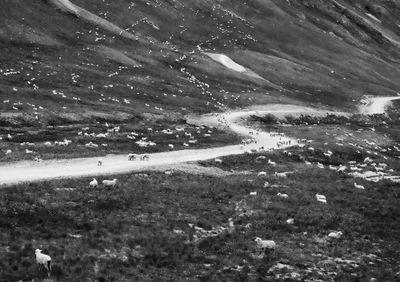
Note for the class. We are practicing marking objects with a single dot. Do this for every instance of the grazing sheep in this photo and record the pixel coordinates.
(368, 160)
(171, 146)
(110, 183)
(281, 174)
(93, 183)
(43, 260)
(271, 162)
(284, 196)
(335, 234)
(28, 151)
(218, 161)
(253, 193)
(266, 184)
(307, 162)
(290, 221)
(342, 168)
(319, 165)
(265, 245)
(260, 158)
(8, 152)
(262, 174)
(320, 198)
(358, 186)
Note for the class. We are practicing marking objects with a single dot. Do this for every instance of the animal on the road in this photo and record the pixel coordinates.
(43, 261)
(110, 183)
(93, 183)
(100, 162)
(131, 157)
(144, 157)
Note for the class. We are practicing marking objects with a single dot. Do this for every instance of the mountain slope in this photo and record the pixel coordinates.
(92, 57)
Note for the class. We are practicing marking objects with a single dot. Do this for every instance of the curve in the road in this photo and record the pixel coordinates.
(28, 171)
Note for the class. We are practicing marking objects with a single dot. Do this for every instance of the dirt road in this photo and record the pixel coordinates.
(377, 105)
(28, 171)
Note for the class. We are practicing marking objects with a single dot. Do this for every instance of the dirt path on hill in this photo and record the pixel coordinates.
(28, 171)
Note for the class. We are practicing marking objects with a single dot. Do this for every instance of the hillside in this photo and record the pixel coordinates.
(68, 66)
(95, 58)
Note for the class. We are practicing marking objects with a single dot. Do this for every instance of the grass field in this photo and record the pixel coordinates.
(175, 226)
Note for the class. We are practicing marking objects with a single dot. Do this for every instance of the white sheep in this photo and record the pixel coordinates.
(320, 198)
(110, 183)
(281, 174)
(218, 161)
(43, 261)
(335, 234)
(290, 221)
(319, 165)
(171, 146)
(260, 158)
(8, 152)
(284, 196)
(93, 183)
(262, 174)
(358, 186)
(253, 193)
(271, 162)
(265, 245)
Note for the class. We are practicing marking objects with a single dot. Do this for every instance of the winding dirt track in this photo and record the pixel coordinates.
(30, 171)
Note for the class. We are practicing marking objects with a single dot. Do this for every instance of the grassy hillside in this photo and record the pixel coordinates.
(176, 225)
(85, 62)
(310, 51)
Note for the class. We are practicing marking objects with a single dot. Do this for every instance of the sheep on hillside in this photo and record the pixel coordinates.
(265, 245)
(43, 260)
(93, 183)
(110, 183)
(358, 186)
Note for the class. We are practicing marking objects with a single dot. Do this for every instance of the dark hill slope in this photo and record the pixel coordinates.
(92, 56)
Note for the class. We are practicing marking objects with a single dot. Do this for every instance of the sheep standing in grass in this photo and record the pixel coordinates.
(320, 198)
(110, 183)
(265, 245)
(43, 261)
(93, 183)
(358, 186)
(262, 174)
(271, 162)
